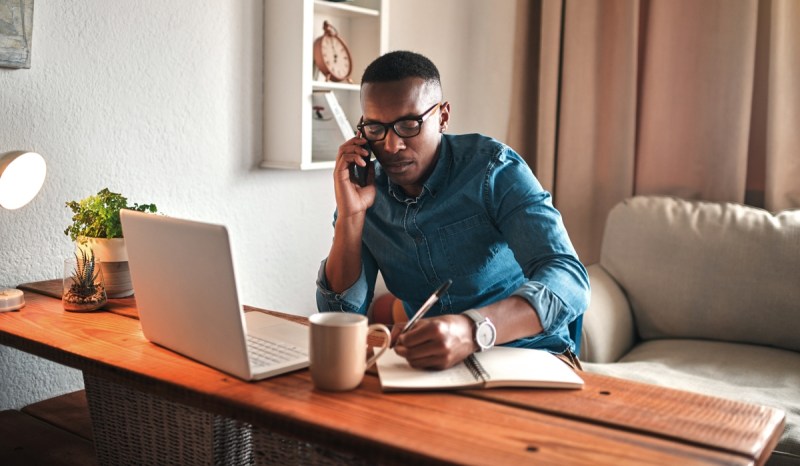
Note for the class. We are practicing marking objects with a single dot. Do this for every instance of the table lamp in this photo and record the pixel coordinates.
(21, 177)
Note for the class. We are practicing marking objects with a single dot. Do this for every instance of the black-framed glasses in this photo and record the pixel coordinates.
(404, 127)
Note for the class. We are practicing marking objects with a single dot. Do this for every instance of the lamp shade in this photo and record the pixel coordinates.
(21, 177)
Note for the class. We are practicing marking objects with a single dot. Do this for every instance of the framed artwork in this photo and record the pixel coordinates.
(16, 27)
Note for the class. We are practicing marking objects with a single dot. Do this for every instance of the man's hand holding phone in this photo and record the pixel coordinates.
(353, 177)
(358, 173)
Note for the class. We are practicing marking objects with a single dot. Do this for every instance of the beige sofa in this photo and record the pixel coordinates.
(704, 297)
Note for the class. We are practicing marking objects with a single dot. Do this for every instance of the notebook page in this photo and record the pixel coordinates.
(396, 374)
(526, 368)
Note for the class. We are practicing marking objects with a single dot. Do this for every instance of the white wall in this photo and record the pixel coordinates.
(161, 101)
(471, 42)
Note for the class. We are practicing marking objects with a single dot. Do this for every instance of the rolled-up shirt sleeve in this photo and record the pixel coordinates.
(553, 312)
(350, 300)
(358, 296)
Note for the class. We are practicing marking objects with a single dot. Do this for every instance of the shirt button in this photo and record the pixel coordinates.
(419, 239)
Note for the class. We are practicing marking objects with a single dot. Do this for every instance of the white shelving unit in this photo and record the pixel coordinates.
(290, 28)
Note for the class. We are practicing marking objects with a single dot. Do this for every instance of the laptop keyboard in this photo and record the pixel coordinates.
(265, 353)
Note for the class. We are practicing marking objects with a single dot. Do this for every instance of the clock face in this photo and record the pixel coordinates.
(336, 57)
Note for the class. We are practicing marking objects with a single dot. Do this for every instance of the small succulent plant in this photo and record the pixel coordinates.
(83, 289)
(84, 276)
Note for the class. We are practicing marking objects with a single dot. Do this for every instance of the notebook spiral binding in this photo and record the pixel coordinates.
(476, 369)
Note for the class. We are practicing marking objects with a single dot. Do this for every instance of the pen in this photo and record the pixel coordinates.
(427, 305)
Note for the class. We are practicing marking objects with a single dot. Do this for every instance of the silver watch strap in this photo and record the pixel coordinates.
(476, 316)
(480, 321)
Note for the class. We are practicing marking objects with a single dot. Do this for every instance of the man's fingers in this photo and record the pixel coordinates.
(396, 329)
(353, 148)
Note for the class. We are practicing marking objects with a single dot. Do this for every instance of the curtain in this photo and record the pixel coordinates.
(688, 98)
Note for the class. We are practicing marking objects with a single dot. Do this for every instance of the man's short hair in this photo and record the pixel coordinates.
(401, 64)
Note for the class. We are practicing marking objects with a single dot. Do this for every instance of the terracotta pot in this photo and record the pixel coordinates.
(113, 259)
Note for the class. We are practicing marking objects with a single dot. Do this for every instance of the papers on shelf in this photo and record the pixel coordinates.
(329, 125)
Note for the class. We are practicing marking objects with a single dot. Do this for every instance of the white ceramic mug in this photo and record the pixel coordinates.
(338, 349)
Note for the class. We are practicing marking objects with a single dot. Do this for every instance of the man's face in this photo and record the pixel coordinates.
(407, 161)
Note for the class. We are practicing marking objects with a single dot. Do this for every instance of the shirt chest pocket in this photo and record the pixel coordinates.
(469, 245)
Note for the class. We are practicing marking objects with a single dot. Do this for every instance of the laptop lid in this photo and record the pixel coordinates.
(185, 289)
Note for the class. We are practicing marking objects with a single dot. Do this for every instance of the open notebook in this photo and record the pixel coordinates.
(499, 367)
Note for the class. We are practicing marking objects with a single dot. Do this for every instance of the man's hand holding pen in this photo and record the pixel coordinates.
(437, 342)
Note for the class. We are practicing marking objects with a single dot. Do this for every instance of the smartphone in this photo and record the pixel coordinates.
(358, 174)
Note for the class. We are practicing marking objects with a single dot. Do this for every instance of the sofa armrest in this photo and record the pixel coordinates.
(608, 330)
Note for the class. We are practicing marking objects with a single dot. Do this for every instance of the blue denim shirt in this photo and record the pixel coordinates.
(482, 220)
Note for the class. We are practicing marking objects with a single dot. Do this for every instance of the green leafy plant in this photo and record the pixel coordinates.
(84, 276)
(97, 216)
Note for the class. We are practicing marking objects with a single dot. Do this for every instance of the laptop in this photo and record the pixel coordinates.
(183, 276)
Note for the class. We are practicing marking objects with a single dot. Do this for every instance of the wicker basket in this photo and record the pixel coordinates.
(270, 448)
(133, 428)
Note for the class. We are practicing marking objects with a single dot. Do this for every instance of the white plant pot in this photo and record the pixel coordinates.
(114, 263)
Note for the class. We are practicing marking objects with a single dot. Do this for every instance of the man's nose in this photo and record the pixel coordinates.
(393, 143)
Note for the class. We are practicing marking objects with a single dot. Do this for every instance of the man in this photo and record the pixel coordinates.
(439, 207)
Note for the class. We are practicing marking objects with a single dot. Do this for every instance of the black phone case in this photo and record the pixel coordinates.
(358, 175)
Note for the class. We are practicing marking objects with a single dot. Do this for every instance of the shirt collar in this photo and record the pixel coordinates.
(435, 183)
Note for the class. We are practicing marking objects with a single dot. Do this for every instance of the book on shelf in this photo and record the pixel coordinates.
(329, 125)
(500, 366)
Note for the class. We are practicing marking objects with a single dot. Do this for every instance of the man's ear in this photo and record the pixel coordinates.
(444, 116)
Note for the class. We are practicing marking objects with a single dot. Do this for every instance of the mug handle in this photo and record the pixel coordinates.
(386, 343)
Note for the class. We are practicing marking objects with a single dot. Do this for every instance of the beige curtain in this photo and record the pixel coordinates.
(692, 98)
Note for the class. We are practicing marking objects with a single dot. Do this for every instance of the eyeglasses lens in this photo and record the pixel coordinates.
(403, 128)
(406, 128)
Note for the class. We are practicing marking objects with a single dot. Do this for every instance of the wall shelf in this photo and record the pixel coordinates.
(334, 8)
(335, 86)
(290, 28)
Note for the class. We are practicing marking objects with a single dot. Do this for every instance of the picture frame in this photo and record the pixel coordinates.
(16, 32)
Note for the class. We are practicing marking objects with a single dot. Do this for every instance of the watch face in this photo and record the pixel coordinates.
(336, 57)
(485, 335)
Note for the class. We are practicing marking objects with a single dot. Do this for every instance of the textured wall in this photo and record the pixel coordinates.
(26, 379)
(161, 101)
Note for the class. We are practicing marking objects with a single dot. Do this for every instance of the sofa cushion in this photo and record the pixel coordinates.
(608, 331)
(695, 269)
(750, 373)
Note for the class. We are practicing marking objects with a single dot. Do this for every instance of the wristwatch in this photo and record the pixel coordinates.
(485, 333)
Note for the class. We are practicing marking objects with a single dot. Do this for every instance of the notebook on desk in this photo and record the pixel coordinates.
(185, 288)
(498, 367)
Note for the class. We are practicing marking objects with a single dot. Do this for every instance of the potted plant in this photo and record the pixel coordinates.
(83, 289)
(96, 226)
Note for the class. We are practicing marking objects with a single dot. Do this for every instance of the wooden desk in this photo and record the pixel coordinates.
(610, 421)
